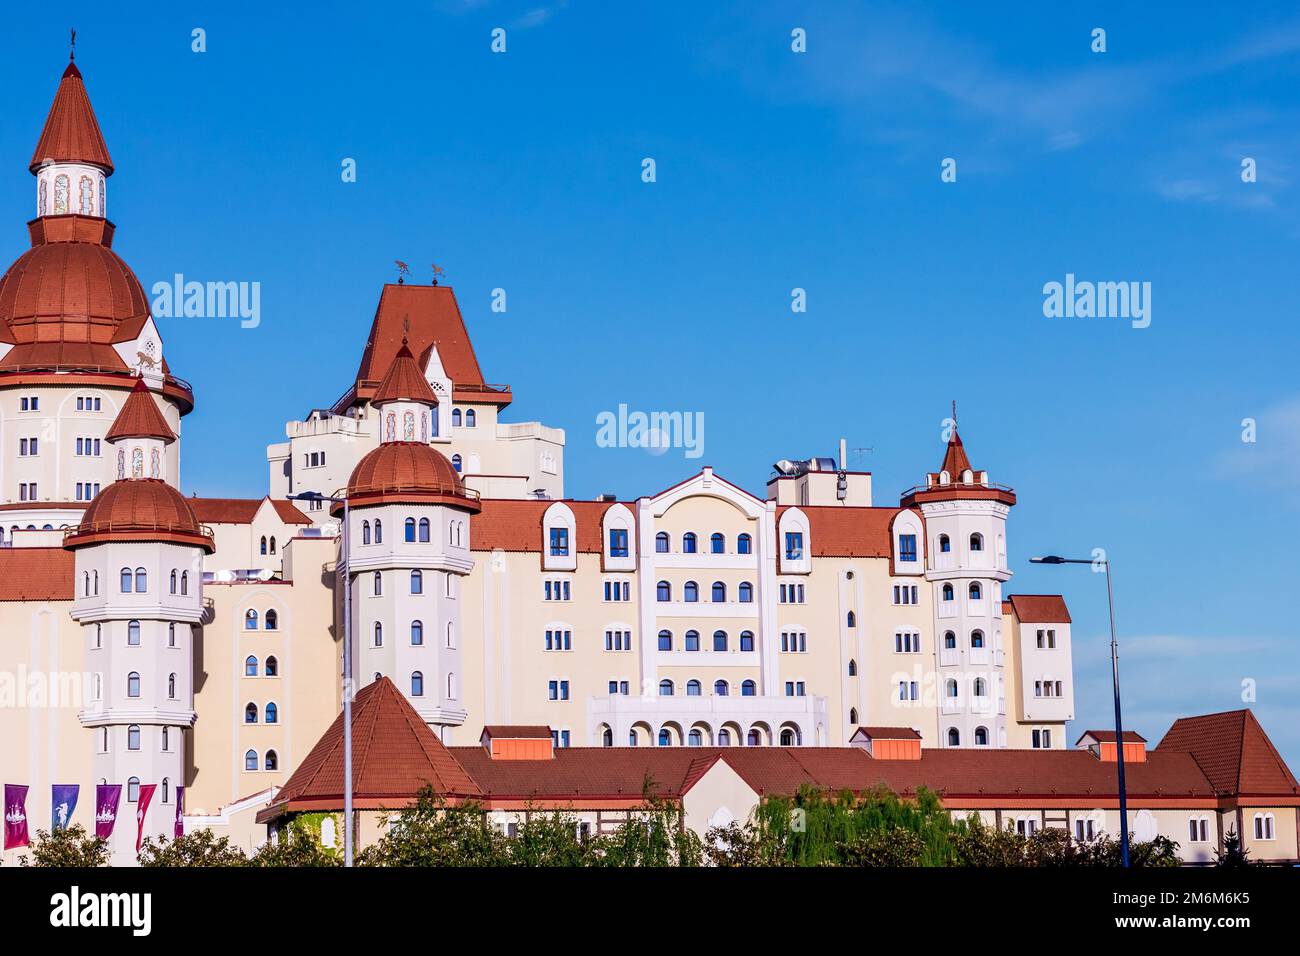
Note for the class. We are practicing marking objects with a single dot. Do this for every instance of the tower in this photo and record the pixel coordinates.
(409, 551)
(75, 332)
(138, 597)
(965, 519)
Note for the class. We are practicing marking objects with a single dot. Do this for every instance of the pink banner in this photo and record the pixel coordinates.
(15, 815)
(107, 798)
(141, 810)
(179, 830)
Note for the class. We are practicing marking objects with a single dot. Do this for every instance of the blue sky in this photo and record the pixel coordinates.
(775, 170)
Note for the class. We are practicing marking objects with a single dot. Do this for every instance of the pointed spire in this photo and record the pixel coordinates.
(140, 418)
(955, 462)
(404, 382)
(71, 133)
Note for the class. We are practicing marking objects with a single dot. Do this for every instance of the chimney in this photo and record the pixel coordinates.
(888, 743)
(1101, 744)
(506, 742)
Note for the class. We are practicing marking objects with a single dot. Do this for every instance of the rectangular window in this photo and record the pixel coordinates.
(557, 640)
(907, 547)
(559, 542)
(794, 545)
(618, 640)
(907, 642)
(618, 543)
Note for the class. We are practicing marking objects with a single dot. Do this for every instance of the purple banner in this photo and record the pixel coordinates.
(15, 815)
(107, 798)
(179, 830)
(142, 810)
(63, 803)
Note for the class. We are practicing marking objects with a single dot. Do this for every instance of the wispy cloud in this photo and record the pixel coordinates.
(1269, 462)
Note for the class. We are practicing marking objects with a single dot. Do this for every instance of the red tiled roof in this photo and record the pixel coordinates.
(406, 470)
(844, 532)
(517, 731)
(140, 418)
(1233, 751)
(955, 462)
(1040, 608)
(36, 574)
(71, 132)
(404, 382)
(394, 755)
(243, 510)
(516, 525)
(888, 733)
(1108, 737)
(140, 509)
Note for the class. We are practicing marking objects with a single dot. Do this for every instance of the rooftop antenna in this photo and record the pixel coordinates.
(861, 451)
(437, 271)
(72, 49)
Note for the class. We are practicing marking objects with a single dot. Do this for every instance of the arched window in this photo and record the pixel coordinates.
(272, 760)
(976, 639)
(950, 689)
(365, 532)
(947, 592)
(748, 688)
(250, 666)
(724, 737)
(141, 580)
(744, 544)
(719, 592)
(852, 619)
(720, 688)
(976, 592)
(379, 634)
(746, 592)
(451, 634)
(417, 582)
(693, 688)
(250, 713)
(171, 686)
(250, 759)
(470, 418)
(688, 542)
(949, 640)
(665, 738)
(664, 591)
(171, 634)
(981, 687)
(977, 542)
(133, 737)
(787, 737)
(691, 592)
(717, 543)
(185, 582)
(272, 713)
(456, 462)
(263, 544)
(166, 790)
(377, 584)
(133, 684)
(250, 620)
(607, 738)
(379, 531)
(719, 640)
(692, 642)
(695, 738)
(954, 737)
(661, 542)
(133, 790)
(853, 668)
(455, 417)
(665, 688)
(126, 580)
(172, 582)
(945, 543)
(451, 686)
(272, 668)
(424, 530)
(273, 544)
(417, 684)
(410, 529)
(417, 633)
(746, 640)
(665, 640)
(755, 738)
(272, 621)
(981, 736)
(133, 633)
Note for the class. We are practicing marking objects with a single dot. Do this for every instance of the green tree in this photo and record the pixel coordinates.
(70, 846)
(200, 848)
(550, 839)
(1233, 856)
(296, 846)
(432, 832)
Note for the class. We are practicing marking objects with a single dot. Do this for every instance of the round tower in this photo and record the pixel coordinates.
(965, 525)
(75, 331)
(409, 527)
(138, 597)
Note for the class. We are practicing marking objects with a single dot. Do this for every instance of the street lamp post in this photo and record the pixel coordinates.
(1114, 677)
(347, 665)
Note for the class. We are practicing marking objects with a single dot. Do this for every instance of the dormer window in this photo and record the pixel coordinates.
(907, 547)
(794, 545)
(559, 542)
(618, 543)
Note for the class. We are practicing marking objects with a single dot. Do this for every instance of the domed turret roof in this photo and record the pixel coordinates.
(139, 509)
(408, 472)
(404, 382)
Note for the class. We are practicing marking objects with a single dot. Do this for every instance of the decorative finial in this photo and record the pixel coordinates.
(406, 327)
(954, 413)
(403, 270)
(437, 271)
(72, 49)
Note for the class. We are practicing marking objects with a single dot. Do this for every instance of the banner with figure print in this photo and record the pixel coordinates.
(141, 811)
(179, 830)
(107, 798)
(63, 804)
(15, 815)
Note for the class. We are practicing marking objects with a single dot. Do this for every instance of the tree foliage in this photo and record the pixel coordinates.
(70, 846)
(200, 848)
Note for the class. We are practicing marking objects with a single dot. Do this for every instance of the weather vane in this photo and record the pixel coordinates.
(72, 50)
(437, 271)
(403, 270)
